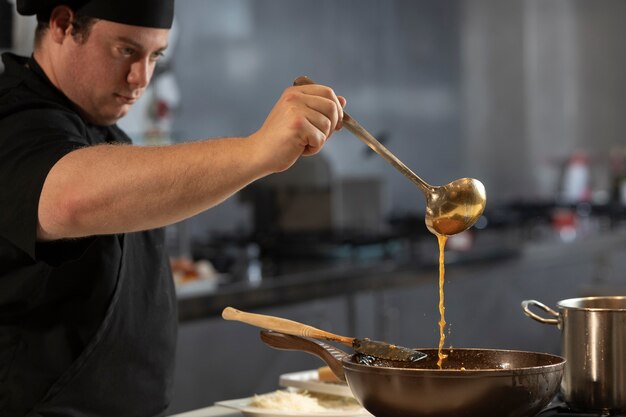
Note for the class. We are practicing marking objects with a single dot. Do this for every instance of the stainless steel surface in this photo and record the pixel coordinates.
(450, 208)
(593, 340)
(527, 304)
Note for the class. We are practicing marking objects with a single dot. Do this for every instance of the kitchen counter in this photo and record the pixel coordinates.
(332, 278)
(328, 279)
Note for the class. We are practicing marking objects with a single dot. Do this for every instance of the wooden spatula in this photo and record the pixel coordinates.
(365, 346)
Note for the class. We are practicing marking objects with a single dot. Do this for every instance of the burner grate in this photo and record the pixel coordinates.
(558, 408)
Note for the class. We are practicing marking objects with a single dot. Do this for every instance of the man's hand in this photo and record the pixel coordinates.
(301, 121)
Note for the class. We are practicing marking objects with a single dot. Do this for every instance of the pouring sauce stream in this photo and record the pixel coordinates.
(441, 239)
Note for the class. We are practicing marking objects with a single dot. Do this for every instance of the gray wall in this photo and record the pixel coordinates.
(500, 90)
(541, 79)
(397, 63)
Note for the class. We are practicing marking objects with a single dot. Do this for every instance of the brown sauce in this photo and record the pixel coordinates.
(449, 225)
(442, 321)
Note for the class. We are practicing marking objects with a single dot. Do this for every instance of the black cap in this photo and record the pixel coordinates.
(148, 13)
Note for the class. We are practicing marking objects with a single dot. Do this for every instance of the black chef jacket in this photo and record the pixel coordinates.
(87, 326)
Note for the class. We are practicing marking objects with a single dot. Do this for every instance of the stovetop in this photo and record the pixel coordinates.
(558, 408)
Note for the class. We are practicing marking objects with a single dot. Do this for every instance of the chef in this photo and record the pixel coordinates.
(87, 304)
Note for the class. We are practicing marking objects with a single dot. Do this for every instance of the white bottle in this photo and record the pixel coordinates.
(576, 180)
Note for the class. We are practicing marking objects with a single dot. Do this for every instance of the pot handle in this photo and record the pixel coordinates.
(526, 304)
(329, 354)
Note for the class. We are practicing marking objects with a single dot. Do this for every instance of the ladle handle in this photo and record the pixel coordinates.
(359, 131)
(282, 325)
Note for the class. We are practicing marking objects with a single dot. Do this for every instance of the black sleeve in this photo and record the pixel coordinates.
(31, 142)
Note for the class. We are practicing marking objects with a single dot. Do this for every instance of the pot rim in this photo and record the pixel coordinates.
(570, 303)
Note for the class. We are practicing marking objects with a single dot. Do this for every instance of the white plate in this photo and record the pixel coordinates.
(308, 380)
(241, 405)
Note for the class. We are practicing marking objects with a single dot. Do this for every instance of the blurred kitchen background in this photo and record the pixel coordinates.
(527, 96)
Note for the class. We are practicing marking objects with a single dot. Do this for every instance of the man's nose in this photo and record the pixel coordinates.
(140, 73)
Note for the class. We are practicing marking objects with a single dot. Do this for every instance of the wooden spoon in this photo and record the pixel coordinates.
(365, 346)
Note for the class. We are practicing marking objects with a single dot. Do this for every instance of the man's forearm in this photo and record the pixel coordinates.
(121, 188)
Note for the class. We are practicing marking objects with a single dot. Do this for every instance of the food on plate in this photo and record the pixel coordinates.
(325, 374)
(185, 270)
(303, 401)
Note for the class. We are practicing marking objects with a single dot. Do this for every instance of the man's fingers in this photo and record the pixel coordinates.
(311, 136)
(327, 114)
(342, 103)
(316, 92)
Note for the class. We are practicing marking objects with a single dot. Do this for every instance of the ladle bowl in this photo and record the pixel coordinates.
(454, 207)
(451, 208)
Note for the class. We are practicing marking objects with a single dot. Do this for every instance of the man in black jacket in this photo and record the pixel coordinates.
(87, 304)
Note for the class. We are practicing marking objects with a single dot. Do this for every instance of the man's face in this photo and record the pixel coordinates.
(108, 72)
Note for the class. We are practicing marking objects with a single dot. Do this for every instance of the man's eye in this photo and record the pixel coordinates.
(126, 51)
(157, 56)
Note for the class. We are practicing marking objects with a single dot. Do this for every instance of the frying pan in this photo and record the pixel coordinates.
(473, 382)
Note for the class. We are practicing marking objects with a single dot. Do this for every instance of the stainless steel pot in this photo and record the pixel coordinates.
(593, 340)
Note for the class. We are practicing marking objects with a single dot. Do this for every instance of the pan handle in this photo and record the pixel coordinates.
(329, 354)
(526, 304)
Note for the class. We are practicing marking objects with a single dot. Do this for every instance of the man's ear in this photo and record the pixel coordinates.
(60, 23)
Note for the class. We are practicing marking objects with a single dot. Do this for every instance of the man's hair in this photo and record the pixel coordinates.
(81, 28)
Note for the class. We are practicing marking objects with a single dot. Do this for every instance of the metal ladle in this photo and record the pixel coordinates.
(450, 208)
